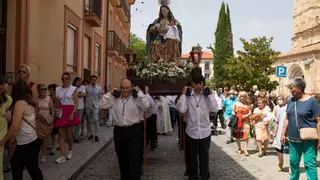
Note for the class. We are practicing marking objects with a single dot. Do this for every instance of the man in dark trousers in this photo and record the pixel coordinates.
(151, 115)
(127, 110)
(196, 106)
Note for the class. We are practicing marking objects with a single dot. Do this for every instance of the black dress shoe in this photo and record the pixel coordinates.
(76, 141)
(153, 146)
(96, 138)
(6, 169)
(90, 137)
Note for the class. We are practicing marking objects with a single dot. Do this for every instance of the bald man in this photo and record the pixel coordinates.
(127, 112)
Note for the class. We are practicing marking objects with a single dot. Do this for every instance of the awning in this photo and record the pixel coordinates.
(308, 61)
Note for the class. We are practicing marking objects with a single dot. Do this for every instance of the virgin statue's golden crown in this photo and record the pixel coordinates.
(164, 2)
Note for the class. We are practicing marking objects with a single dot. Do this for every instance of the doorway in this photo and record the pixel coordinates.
(3, 27)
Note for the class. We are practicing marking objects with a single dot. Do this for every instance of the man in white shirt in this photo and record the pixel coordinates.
(255, 90)
(197, 107)
(220, 98)
(127, 112)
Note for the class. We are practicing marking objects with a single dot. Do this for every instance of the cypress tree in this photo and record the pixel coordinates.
(230, 35)
(223, 45)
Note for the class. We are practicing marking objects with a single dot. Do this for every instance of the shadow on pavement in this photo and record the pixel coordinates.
(167, 163)
(222, 166)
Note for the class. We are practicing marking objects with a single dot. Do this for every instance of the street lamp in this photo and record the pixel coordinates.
(131, 58)
(196, 55)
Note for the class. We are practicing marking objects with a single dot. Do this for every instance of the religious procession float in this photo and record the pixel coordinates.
(162, 70)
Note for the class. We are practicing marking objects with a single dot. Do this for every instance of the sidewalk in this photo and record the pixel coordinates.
(83, 153)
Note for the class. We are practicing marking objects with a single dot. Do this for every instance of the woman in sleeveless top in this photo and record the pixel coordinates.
(5, 103)
(24, 72)
(242, 111)
(22, 127)
(68, 98)
(45, 106)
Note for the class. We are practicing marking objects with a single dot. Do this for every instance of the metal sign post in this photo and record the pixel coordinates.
(281, 72)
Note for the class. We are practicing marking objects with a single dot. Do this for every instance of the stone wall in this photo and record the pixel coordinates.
(306, 23)
(296, 66)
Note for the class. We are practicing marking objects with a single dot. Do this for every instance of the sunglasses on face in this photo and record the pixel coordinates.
(22, 71)
(43, 89)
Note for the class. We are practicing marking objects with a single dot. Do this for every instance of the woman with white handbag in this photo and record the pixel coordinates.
(302, 128)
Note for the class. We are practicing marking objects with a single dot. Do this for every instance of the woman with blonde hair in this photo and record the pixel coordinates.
(242, 111)
(24, 72)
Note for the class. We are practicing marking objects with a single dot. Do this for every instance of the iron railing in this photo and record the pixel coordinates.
(123, 48)
(93, 7)
(125, 7)
(115, 43)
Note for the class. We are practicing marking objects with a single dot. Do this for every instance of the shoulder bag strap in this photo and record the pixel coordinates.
(29, 124)
(296, 115)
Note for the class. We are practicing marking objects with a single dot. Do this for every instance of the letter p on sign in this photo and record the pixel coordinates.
(281, 71)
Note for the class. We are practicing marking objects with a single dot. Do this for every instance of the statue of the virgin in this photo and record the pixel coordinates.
(164, 36)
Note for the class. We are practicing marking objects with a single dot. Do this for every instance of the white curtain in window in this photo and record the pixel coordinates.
(71, 48)
(86, 52)
(97, 58)
(87, 4)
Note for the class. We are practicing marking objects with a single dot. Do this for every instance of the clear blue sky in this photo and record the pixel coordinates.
(250, 18)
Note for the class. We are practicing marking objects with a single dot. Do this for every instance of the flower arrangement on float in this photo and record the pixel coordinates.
(162, 70)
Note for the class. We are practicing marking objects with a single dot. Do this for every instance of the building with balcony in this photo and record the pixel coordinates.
(118, 40)
(53, 37)
(206, 63)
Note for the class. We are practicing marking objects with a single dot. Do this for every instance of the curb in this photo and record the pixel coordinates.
(86, 164)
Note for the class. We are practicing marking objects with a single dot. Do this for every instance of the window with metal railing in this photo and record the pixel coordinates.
(93, 7)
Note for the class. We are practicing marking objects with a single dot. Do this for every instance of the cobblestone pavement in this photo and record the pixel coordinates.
(167, 163)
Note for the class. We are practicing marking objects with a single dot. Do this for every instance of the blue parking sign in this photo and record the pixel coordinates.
(281, 71)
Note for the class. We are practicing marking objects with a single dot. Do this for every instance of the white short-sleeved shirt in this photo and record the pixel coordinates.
(81, 89)
(65, 95)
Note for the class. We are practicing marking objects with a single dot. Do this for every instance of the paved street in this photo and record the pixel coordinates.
(167, 163)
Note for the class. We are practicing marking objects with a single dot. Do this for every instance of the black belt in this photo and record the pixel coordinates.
(128, 127)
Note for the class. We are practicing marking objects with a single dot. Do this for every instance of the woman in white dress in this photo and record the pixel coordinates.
(163, 115)
(280, 114)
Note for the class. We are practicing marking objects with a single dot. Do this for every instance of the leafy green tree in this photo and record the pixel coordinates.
(253, 65)
(223, 49)
(139, 46)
